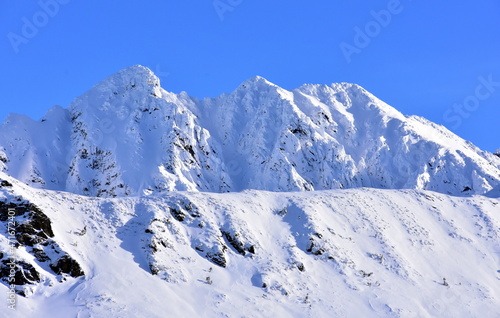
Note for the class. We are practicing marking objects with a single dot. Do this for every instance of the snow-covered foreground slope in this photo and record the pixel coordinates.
(336, 253)
(128, 136)
(144, 227)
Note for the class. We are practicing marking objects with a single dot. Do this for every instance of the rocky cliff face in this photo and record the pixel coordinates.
(28, 229)
(128, 136)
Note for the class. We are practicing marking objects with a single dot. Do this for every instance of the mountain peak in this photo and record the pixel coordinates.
(256, 82)
(132, 76)
(137, 80)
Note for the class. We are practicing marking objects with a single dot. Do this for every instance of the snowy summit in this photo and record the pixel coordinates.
(128, 136)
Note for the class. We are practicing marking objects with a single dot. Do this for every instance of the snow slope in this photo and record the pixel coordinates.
(336, 253)
(128, 136)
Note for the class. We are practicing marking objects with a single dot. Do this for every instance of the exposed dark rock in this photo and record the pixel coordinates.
(251, 249)
(35, 226)
(32, 228)
(299, 130)
(319, 251)
(40, 255)
(153, 247)
(4, 210)
(67, 265)
(316, 251)
(154, 269)
(301, 267)
(177, 214)
(235, 242)
(5, 183)
(365, 274)
(184, 145)
(189, 149)
(217, 258)
(35, 229)
(193, 210)
(283, 212)
(82, 232)
(310, 248)
(25, 274)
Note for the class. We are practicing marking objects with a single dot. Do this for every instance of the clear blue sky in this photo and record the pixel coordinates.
(423, 57)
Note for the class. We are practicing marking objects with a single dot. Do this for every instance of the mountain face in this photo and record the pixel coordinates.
(118, 207)
(127, 136)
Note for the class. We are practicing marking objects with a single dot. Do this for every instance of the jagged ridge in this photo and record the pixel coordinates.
(128, 136)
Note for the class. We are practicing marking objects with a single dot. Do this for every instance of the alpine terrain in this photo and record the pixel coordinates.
(322, 201)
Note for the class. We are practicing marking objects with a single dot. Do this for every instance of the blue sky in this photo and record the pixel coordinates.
(437, 59)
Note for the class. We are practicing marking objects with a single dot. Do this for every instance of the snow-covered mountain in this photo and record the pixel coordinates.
(338, 206)
(335, 253)
(128, 136)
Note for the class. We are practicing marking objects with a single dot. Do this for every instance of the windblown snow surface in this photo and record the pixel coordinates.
(317, 202)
